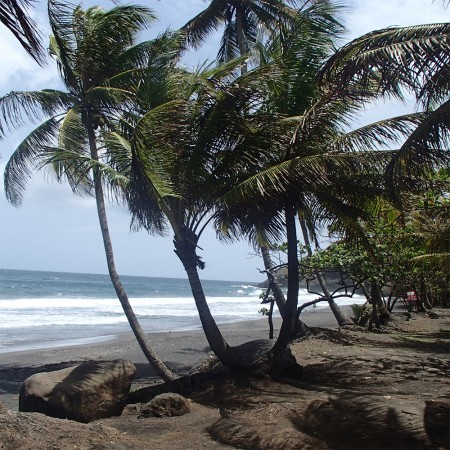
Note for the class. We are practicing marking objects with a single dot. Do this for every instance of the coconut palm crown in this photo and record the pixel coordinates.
(403, 60)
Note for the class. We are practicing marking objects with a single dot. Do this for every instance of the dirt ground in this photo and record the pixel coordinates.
(358, 390)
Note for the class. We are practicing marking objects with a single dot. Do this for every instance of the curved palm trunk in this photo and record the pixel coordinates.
(185, 249)
(341, 318)
(160, 368)
(287, 327)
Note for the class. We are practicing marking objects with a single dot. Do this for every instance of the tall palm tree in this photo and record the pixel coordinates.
(309, 163)
(241, 19)
(99, 64)
(13, 15)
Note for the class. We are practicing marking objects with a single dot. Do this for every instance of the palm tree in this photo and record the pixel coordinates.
(241, 19)
(99, 65)
(414, 60)
(181, 154)
(306, 160)
(13, 15)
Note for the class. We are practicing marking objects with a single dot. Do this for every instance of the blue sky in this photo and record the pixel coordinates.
(54, 230)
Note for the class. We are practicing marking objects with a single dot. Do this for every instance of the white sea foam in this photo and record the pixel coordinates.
(38, 308)
(44, 312)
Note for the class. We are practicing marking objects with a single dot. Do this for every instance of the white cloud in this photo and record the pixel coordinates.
(366, 16)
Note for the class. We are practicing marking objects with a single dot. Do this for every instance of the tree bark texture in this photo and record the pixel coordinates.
(185, 248)
(288, 324)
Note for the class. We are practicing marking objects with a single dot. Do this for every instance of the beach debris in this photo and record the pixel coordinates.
(168, 404)
(89, 391)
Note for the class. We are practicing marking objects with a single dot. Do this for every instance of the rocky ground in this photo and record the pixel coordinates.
(358, 390)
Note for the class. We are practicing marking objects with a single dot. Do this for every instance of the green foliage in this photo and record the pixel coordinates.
(361, 313)
(390, 260)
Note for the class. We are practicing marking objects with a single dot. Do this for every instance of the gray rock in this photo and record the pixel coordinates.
(166, 405)
(90, 391)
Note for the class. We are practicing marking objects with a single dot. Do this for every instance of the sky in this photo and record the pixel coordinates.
(57, 231)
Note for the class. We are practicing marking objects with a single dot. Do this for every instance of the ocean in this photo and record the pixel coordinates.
(55, 309)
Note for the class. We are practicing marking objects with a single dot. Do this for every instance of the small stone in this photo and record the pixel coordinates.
(166, 405)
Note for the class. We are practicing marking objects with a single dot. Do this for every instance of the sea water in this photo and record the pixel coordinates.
(50, 309)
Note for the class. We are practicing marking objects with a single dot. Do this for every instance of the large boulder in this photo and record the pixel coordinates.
(90, 391)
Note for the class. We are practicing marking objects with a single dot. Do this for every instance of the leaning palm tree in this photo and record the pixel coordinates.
(13, 15)
(99, 64)
(181, 153)
(243, 23)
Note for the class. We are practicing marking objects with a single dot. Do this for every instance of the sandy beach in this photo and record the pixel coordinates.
(180, 351)
(374, 376)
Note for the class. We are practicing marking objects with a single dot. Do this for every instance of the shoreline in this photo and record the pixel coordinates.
(233, 331)
(111, 337)
(180, 350)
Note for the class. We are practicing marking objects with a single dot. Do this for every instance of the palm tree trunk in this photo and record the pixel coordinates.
(160, 368)
(342, 319)
(240, 38)
(287, 327)
(376, 302)
(278, 294)
(185, 249)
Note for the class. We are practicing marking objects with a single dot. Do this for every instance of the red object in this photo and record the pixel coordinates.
(411, 296)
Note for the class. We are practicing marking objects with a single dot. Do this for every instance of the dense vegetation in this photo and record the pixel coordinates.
(260, 146)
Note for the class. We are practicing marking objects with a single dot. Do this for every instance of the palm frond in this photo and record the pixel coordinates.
(408, 56)
(426, 149)
(381, 134)
(70, 166)
(32, 105)
(205, 23)
(437, 260)
(14, 16)
(157, 52)
(72, 134)
(62, 41)
(26, 158)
